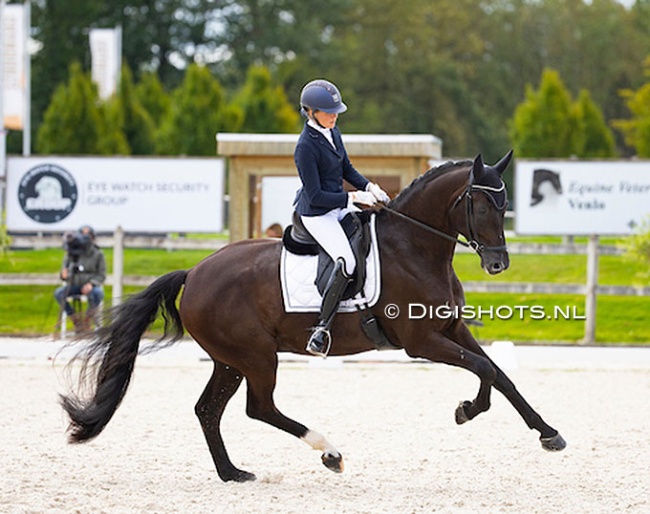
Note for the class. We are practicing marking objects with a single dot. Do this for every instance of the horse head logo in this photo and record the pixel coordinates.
(540, 178)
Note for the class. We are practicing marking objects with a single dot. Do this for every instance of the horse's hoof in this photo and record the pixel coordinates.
(333, 462)
(461, 415)
(238, 476)
(554, 443)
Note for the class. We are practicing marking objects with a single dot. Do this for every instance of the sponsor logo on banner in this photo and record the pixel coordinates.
(47, 193)
(581, 197)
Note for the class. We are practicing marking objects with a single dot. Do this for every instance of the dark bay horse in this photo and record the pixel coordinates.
(231, 305)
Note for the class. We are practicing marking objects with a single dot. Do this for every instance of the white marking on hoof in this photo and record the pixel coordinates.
(318, 442)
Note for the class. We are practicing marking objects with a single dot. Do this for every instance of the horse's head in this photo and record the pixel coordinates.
(485, 200)
(475, 207)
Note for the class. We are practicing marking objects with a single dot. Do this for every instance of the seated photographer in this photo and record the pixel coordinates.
(84, 272)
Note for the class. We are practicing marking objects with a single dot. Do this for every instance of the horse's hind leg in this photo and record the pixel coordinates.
(222, 386)
(260, 406)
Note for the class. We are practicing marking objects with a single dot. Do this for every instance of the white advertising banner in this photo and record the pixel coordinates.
(581, 197)
(278, 194)
(105, 54)
(13, 47)
(57, 194)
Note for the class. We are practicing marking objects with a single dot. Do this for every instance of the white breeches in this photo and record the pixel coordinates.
(327, 230)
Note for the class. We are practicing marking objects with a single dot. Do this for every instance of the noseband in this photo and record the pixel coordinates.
(473, 241)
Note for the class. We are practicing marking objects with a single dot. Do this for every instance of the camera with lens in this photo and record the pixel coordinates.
(76, 244)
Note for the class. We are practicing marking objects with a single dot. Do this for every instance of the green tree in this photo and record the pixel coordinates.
(152, 96)
(154, 35)
(75, 123)
(132, 118)
(636, 130)
(595, 45)
(543, 124)
(548, 124)
(405, 67)
(593, 138)
(163, 35)
(265, 106)
(61, 28)
(112, 140)
(295, 36)
(198, 111)
(454, 68)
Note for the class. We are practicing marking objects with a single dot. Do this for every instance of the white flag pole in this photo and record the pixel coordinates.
(3, 133)
(27, 116)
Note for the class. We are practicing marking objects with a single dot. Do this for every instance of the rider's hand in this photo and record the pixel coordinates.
(362, 197)
(378, 192)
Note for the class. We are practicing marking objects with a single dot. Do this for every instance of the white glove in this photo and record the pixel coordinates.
(362, 197)
(378, 192)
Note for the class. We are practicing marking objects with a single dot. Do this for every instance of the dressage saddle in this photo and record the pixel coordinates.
(356, 226)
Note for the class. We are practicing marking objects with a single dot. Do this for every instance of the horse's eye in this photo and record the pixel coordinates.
(482, 210)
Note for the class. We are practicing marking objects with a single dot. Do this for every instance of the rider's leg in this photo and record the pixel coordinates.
(328, 232)
(320, 339)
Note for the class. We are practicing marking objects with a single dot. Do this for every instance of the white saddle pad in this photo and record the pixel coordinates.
(298, 274)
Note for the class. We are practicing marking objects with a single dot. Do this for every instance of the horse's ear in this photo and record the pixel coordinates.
(477, 170)
(503, 163)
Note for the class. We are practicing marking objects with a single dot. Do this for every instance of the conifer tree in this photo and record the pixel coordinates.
(198, 111)
(593, 138)
(265, 106)
(152, 96)
(543, 123)
(637, 129)
(74, 122)
(134, 121)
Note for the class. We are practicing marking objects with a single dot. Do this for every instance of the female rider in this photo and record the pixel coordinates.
(321, 202)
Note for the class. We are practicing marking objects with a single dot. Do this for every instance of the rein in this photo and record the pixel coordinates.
(424, 226)
(473, 242)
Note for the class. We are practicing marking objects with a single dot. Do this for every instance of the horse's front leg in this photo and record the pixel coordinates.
(438, 347)
(549, 437)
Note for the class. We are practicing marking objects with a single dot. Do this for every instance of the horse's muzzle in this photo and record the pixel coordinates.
(495, 262)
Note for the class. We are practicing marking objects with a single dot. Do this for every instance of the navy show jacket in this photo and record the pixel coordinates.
(322, 169)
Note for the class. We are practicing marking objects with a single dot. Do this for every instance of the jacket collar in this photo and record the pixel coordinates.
(322, 140)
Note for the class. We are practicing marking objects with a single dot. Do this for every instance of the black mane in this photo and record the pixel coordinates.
(428, 176)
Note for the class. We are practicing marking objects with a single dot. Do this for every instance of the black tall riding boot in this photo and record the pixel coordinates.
(321, 339)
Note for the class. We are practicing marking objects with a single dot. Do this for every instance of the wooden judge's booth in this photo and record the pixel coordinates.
(393, 161)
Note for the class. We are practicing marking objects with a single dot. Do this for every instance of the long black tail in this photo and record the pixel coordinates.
(106, 363)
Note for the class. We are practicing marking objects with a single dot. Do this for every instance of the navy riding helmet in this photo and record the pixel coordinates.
(321, 95)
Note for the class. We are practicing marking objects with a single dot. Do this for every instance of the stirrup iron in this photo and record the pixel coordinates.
(320, 341)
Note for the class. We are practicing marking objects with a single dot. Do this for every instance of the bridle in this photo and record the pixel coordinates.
(488, 191)
(473, 241)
